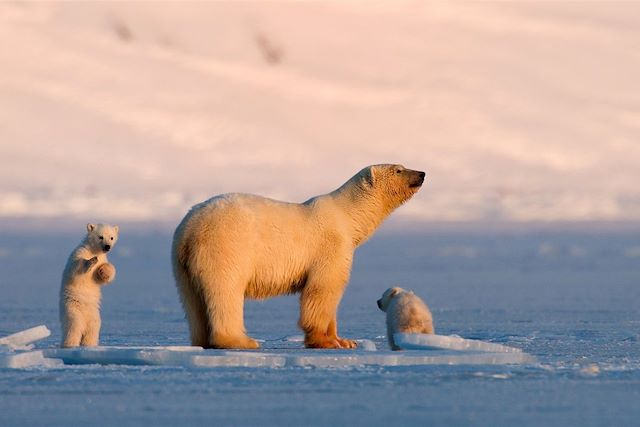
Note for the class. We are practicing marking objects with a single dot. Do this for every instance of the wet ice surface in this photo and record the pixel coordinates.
(570, 299)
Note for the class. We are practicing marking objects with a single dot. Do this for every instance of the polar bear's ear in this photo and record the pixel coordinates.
(369, 176)
(116, 228)
(91, 227)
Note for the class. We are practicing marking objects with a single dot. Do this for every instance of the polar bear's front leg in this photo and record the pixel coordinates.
(318, 307)
(83, 266)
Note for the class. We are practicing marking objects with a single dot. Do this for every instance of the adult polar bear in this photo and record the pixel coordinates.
(237, 246)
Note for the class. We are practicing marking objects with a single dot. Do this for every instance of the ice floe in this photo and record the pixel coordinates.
(276, 358)
(422, 350)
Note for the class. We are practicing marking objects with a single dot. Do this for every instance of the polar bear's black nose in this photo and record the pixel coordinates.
(417, 178)
(107, 247)
(379, 304)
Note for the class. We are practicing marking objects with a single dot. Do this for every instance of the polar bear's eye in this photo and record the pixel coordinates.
(398, 170)
(112, 238)
(101, 237)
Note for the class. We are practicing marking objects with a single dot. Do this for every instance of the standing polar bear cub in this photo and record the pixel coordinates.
(86, 271)
(406, 313)
(237, 246)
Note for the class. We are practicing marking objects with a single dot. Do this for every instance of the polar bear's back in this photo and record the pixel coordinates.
(269, 242)
(257, 218)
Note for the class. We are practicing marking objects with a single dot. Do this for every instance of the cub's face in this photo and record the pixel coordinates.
(102, 237)
(395, 182)
(387, 296)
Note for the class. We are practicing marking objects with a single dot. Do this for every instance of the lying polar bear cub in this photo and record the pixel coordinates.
(406, 313)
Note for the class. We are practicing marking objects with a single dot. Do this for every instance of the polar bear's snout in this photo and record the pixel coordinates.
(417, 178)
(379, 302)
(107, 248)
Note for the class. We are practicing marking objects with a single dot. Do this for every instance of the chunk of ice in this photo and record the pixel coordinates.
(105, 355)
(443, 342)
(22, 339)
(366, 345)
(27, 359)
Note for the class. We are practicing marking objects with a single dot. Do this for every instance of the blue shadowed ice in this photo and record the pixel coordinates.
(568, 299)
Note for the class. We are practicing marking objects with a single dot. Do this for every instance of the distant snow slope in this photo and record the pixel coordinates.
(135, 111)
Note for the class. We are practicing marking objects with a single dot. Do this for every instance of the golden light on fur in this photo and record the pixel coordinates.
(237, 246)
(87, 270)
(105, 273)
(406, 313)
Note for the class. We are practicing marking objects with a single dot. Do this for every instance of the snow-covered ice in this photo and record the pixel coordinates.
(126, 355)
(577, 316)
(23, 340)
(452, 342)
(277, 358)
(27, 359)
(15, 350)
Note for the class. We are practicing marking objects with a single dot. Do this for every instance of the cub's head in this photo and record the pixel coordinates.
(102, 237)
(387, 296)
(394, 183)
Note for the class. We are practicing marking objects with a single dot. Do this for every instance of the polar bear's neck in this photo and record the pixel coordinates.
(364, 209)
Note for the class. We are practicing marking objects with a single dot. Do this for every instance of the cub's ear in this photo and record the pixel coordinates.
(116, 228)
(395, 291)
(91, 227)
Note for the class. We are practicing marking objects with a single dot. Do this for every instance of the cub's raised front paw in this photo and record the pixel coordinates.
(105, 273)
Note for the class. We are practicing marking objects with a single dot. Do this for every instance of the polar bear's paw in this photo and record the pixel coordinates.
(323, 341)
(346, 343)
(105, 273)
(235, 342)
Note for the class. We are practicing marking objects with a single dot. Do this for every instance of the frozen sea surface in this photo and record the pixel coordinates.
(569, 298)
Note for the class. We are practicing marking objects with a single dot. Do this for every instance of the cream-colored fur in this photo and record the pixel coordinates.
(238, 246)
(406, 313)
(86, 271)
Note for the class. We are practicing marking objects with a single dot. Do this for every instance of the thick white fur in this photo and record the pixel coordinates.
(238, 246)
(406, 313)
(86, 271)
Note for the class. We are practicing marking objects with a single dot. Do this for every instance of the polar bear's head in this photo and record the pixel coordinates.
(393, 183)
(387, 296)
(101, 237)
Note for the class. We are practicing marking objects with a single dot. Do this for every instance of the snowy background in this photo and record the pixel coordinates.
(521, 113)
